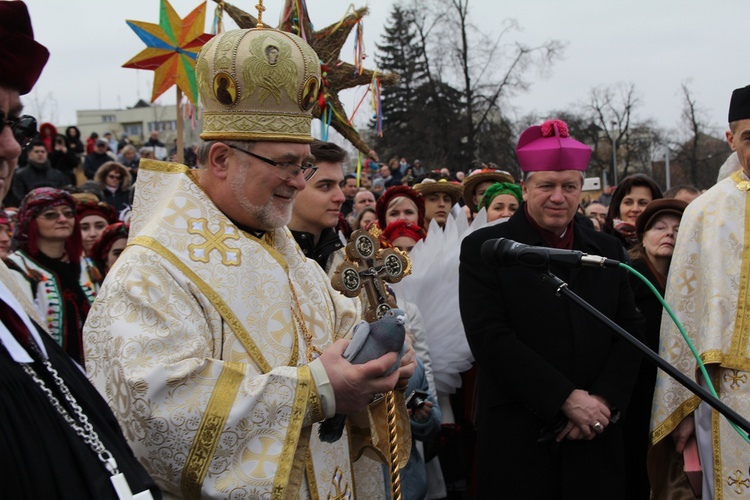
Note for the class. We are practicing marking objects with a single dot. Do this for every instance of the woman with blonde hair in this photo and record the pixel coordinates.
(400, 203)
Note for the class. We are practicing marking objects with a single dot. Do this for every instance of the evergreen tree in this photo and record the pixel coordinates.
(400, 54)
(421, 115)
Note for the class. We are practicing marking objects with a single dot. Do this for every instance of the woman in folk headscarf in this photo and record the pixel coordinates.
(501, 200)
(93, 218)
(49, 265)
(108, 248)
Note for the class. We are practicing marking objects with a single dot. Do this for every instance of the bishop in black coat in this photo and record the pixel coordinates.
(552, 380)
(532, 350)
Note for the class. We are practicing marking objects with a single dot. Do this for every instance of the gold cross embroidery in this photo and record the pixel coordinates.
(179, 212)
(145, 284)
(687, 281)
(262, 458)
(736, 480)
(214, 241)
(735, 378)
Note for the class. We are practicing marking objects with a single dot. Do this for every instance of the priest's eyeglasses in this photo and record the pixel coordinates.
(23, 128)
(288, 170)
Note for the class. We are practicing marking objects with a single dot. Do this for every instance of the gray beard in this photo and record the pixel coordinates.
(267, 216)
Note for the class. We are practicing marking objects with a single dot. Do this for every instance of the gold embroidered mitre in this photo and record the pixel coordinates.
(258, 85)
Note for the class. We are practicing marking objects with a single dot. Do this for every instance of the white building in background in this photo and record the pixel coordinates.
(138, 122)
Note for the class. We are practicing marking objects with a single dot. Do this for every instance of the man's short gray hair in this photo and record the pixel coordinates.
(527, 176)
(205, 146)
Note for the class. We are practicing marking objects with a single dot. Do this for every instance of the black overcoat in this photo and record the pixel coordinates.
(532, 350)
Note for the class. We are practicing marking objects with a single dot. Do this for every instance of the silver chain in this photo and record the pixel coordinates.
(85, 430)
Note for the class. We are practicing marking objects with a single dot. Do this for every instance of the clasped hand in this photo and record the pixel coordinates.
(584, 412)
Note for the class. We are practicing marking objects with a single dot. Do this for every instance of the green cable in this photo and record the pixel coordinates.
(687, 339)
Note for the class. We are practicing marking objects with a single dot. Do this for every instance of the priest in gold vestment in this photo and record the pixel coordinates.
(214, 340)
(708, 290)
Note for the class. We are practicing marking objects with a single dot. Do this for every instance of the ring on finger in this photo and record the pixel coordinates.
(598, 427)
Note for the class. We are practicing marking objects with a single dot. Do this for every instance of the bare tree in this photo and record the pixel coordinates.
(693, 121)
(489, 69)
(612, 110)
(700, 155)
(44, 108)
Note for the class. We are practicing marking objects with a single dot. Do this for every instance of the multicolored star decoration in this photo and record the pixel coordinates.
(172, 47)
(337, 74)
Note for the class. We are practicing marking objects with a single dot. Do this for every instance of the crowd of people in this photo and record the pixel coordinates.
(172, 330)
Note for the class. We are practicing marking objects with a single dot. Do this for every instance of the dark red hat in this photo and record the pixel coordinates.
(21, 58)
(111, 234)
(100, 208)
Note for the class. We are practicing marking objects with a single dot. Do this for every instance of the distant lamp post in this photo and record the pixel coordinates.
(614, 153)
(666, 166)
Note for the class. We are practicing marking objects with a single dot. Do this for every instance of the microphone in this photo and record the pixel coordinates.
(505, 252)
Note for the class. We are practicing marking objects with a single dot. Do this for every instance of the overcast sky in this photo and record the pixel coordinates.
(654, 44)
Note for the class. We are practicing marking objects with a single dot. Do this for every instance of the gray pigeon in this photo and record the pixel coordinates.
(370, 341)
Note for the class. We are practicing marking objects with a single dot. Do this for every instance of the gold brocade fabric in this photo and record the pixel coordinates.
(193, 344)
(708, 291)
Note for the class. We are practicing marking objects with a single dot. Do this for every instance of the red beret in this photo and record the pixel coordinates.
(21, 58)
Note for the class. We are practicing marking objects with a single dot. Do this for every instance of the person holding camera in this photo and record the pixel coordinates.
(64, 159)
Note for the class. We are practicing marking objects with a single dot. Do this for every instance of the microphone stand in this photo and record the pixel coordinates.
(561, 288)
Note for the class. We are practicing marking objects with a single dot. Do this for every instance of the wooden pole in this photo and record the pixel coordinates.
(180, 147)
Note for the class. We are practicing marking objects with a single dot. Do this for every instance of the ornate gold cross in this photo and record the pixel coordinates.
(214, 241)
(735, 378)
(369, 267)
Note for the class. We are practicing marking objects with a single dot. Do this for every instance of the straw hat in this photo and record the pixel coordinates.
(429, 186)
(477, 177)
